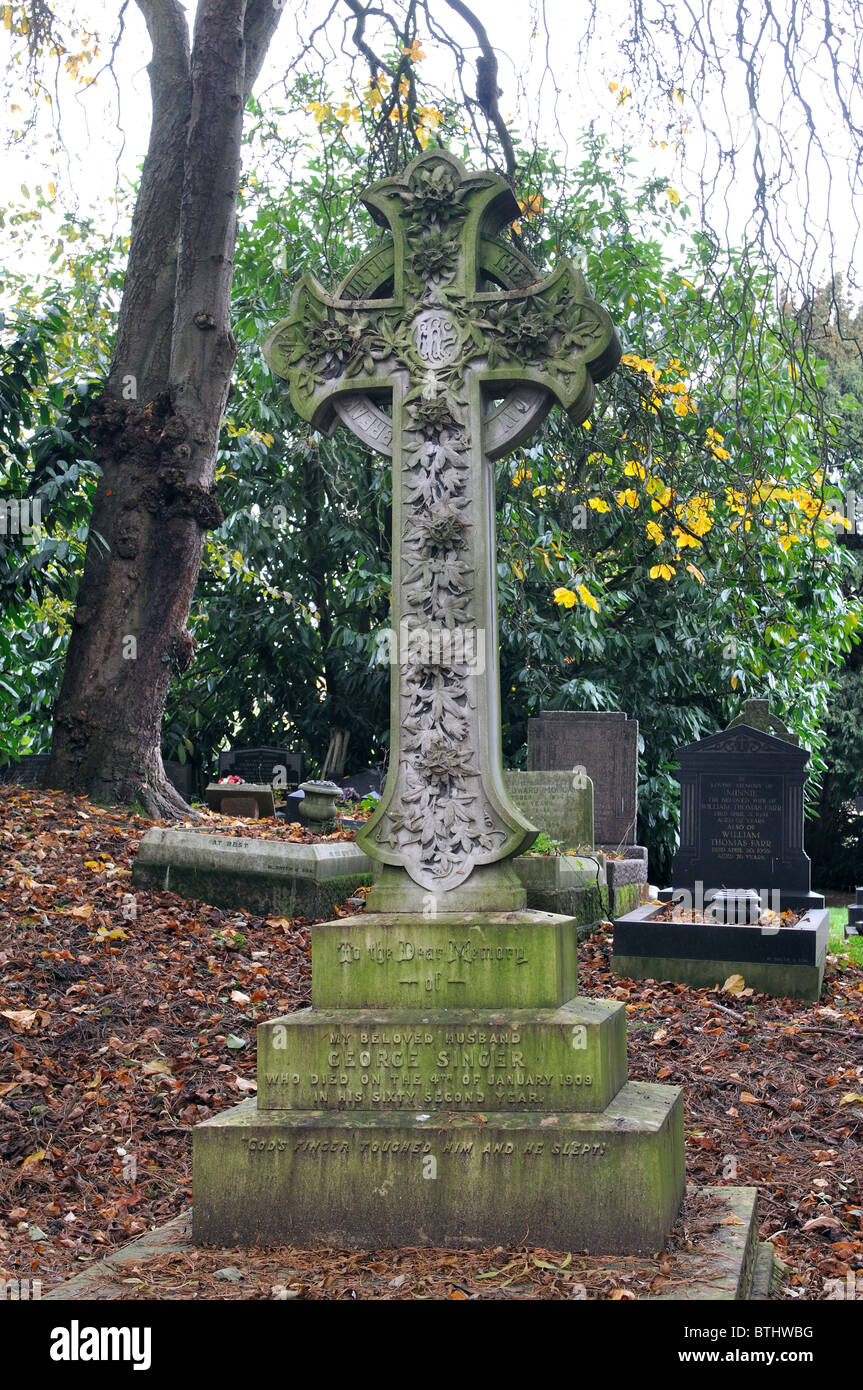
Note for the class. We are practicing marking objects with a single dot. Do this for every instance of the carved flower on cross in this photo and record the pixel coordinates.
(583, 329)
(434, 256)
(334, 341)
(433, 416)
(444, 760)
(433, 196)
(522, 330)
(446, 531)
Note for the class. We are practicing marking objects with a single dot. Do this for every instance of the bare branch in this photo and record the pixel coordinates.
(142, 347)
(487, 91)
(261, 23)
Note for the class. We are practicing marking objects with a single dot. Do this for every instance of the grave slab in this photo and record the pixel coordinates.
(270, 877)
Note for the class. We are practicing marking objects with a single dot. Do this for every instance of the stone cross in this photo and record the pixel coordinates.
(444, 349)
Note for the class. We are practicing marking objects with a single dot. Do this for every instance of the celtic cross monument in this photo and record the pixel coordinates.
(441, 322)
(448, 1084)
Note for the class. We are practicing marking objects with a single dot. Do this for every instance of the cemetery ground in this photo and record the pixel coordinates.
(120, 1033)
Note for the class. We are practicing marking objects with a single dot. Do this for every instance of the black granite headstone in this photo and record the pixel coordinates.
(263, 765)
(27, 771)
(741, 818)
(369, 779)
(184, 777)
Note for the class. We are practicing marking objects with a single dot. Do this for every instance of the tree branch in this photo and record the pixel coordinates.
(261, 23)
(143, 344)
(487, 90)
(374, 62)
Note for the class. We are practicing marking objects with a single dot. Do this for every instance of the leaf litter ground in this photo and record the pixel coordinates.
(120, 1033)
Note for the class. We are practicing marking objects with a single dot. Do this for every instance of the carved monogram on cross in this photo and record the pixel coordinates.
(470, 347)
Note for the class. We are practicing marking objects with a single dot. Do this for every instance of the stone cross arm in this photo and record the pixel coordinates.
(549, 333)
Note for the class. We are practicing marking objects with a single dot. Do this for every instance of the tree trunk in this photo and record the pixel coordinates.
(155, 428)
(337, 755)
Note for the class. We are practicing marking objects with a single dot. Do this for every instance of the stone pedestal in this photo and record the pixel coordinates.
(448, 1087)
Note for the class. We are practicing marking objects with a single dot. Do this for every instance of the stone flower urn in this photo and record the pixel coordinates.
(319, 799)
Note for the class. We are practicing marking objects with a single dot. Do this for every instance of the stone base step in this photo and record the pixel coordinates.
(767, 1273)
(572, 1058)
(729, 1261)
(607, 1183)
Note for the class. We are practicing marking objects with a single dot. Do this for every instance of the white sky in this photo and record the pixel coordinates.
(106, 129)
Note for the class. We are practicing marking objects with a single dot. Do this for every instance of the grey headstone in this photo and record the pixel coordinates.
(605, 745)
(560, 804)
(756, 714)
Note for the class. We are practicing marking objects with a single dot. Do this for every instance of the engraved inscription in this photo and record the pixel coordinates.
(450, 960)
(742, 819)
(371, 423)
(414, 1067)
(463, 952)
(411, 1148)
